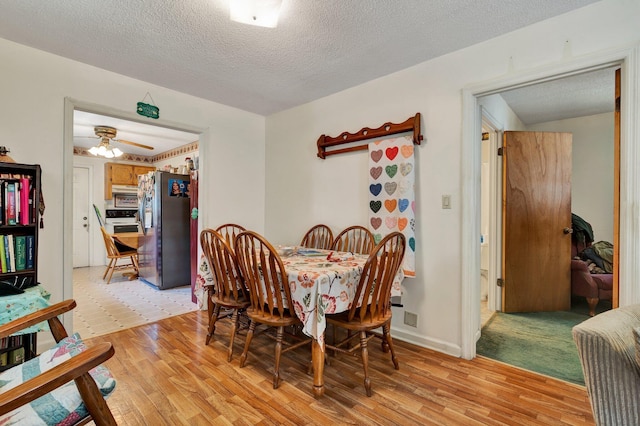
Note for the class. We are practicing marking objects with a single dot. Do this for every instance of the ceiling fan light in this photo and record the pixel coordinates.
(109, 154)
(263, 13)
(117, 152)
(94, 150)
(102, 150)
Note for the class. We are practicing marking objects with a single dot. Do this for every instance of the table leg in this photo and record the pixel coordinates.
(317, 359)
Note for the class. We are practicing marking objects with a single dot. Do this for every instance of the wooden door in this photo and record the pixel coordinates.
(536, 220)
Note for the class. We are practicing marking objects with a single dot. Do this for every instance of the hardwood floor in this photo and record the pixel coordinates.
(167, 376)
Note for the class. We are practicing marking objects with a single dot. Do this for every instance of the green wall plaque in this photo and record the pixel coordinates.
(148, 110)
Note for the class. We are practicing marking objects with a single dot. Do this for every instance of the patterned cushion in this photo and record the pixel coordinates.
(64, 405)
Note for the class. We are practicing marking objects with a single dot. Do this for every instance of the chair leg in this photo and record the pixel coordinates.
(234, 327)
(592, 302)
(107, 268)
(276, 370)
(386, 334)
(365, 361)
(111, 269)
(210, 304)
(212, 323)
(243, 357)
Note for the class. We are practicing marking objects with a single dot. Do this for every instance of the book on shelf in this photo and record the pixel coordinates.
(17, 206)
(21, 252)
(25, 191)
(6, 252)
(29, 251)
(4, 359)
(10, 201)
(16, 196)
(16, 356)
(12, 254)
(3, 259)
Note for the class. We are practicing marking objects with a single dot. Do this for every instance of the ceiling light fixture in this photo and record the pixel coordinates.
(105, 149)
(263, 13)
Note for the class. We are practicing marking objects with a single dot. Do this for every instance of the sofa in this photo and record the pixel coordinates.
(593, 287)
(609, 349)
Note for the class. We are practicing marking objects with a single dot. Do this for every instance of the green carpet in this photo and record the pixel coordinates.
(538, 341)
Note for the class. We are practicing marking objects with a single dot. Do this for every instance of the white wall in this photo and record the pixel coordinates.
(592, 174)
(499, 111)
(33, 88)
(303, 190)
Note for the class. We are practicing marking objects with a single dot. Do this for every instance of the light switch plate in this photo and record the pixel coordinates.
(446, 201)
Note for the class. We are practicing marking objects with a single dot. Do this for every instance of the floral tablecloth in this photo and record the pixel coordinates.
(19, 305)
(319, 286)
(203, 280)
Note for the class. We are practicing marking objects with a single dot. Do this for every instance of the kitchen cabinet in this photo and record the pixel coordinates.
(122, 174)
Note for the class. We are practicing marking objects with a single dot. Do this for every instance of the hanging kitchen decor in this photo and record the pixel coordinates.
(148, 110)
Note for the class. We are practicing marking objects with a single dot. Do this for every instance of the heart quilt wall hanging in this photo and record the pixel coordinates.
(392, 193)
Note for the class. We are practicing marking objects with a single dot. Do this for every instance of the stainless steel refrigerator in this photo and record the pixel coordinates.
(164, 254)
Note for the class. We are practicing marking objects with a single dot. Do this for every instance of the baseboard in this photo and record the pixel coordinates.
(429, 343)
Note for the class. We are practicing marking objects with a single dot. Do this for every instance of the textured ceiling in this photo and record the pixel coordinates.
(319, 47)
(576, 96)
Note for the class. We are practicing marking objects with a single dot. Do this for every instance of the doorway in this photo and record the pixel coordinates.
(471, 168)
(592, 180)
(68, 199)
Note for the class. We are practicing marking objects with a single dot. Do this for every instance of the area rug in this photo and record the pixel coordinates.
(538, 341)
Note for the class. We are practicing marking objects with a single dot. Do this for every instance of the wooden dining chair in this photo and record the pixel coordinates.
(229, 231)
(64, 385)
(319, 237)
(371, 308)
(271, 303)
(114, 254)
(229, 291)
(354, 239)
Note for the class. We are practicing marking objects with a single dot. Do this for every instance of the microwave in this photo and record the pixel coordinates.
(125, 201)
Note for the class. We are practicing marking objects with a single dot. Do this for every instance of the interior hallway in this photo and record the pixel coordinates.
(105, 308)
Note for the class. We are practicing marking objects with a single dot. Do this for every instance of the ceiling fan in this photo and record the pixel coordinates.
(107, 135)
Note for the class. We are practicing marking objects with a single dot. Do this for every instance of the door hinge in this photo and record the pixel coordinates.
(500, 282)
(500, 150)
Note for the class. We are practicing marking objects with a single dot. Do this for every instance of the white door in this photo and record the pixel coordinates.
(80, 217)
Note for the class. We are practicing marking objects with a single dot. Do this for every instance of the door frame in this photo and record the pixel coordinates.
(70, 104)
(494, 296)
(628, 58)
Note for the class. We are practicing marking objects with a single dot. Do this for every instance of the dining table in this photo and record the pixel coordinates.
(131, 239)
(323, 282)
